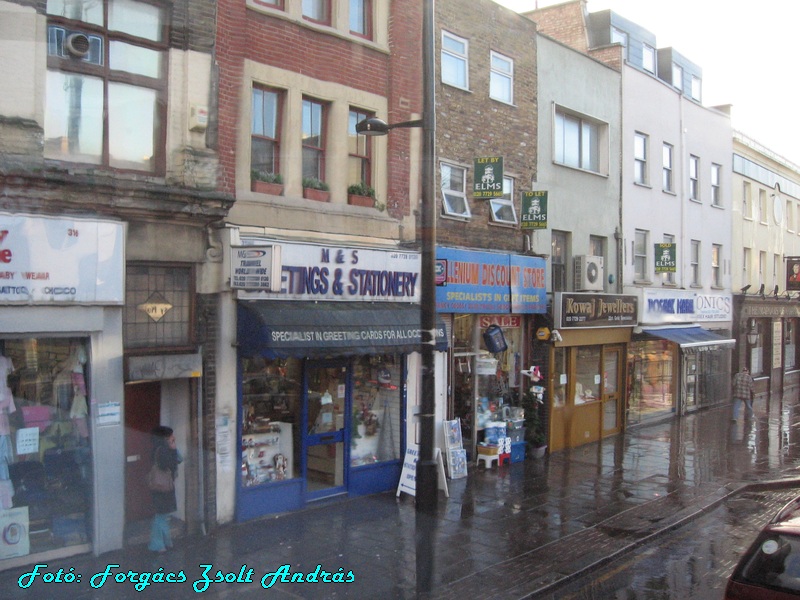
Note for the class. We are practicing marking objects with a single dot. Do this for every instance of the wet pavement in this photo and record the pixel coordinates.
(518, 531)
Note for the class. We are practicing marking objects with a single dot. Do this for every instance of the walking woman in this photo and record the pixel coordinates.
(166, 458)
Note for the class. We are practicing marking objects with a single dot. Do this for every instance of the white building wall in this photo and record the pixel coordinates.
(580, 202)
(658, 111)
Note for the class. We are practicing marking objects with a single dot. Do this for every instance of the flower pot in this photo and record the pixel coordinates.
(315, 194)
(357, 200)
(265, 187)
(538, 451)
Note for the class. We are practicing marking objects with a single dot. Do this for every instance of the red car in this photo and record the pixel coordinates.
(770, 569)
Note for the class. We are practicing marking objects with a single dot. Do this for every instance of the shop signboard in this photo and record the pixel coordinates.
(488, 182)
(575, 311)
(534, 210)
(340, 273)
(60, 260)
(492, 283)
(665, 258)
(677, 306)
(254, 267)
(793, 273)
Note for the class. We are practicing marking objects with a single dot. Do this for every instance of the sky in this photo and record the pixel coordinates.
(748, 57)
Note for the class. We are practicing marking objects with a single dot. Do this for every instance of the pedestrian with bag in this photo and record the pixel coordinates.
(161, 481)
(743, 392)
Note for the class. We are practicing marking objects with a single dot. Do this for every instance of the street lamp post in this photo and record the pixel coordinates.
(426, 495)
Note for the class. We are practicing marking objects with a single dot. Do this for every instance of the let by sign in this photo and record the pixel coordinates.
(488, 181)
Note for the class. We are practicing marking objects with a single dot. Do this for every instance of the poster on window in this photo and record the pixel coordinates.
(793, 273)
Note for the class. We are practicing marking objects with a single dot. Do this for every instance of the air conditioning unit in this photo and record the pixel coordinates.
(589, 273)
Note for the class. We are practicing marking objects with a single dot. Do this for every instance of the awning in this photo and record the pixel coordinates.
(278, 329)
(689, 337)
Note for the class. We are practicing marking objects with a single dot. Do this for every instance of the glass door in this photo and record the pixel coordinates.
(328, 401)
(612, 384)
(690, 383)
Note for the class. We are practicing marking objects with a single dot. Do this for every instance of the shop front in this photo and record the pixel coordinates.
(323, 367)
(61, 297)
(480, 294)
(675, 364)
(586, 375)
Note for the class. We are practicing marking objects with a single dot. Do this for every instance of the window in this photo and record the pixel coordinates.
(317, 10)
(677, 77)
(359, 147)
(666, 161)
(454, 198)
(275, 3)
(577, 142)
(789, 215)
(620, 37)
(762, 267)
(694, 178)
(668, 278)
(503, 208)
(746, 258)
(165, 285)
(361, 17)
(640, 158)
(696, 88)
(455, 60)
(790, 344)
(640, 255)
(501, 78)
(313, 139)
(716, 272)
(716, 193)
(694, 262)
(649, 58)
(558, 260)
(265, 130)
(747, 200)
(762, 206)
(776, 269)
(107, 107)
(597, 245)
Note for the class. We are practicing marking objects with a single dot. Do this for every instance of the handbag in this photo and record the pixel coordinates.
(159, 480)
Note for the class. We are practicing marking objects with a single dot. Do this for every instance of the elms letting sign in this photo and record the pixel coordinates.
(45, 260)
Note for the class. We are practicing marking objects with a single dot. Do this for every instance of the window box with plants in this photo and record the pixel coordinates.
(264, 182)
(361, 194)
(315, 189)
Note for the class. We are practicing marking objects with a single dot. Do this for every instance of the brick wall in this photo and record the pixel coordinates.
(470, 124)
(565, 23)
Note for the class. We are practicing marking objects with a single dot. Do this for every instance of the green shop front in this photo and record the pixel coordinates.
(323, 376)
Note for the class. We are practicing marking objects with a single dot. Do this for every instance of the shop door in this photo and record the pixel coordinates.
(612, 390)
(690, 381)
(142, 414)
(328, 401)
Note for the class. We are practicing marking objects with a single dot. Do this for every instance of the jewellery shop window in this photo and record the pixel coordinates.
(45, 457)
(377, 399)
(272, 394)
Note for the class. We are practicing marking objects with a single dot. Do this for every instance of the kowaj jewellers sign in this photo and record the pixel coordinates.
(595, 310)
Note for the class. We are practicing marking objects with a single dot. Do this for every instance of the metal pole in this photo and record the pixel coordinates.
(426, 476)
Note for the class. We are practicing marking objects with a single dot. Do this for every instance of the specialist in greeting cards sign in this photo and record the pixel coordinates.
(488, 181)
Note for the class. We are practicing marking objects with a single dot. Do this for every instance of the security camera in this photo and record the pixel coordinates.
(556, 336)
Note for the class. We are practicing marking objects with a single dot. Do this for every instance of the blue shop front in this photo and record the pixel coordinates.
(323, 369)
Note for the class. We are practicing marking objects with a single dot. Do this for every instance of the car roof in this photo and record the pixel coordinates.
(788, 518)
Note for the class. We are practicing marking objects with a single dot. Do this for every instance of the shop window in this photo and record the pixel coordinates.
(560, 376)
(45, 454)
(272, 400)
(159, 307)
(587, 375)
(106, 89)
(790, 344)
(756, 350)
(375, 430)
(651, 383)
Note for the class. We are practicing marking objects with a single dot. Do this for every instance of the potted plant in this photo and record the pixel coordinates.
(315, 189)
(535, 433)
(265, 182)
(361, 194)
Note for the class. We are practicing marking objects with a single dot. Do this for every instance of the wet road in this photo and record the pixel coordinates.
(692, 563)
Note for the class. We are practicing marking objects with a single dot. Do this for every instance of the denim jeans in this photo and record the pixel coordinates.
(160, 538)
(737, 405)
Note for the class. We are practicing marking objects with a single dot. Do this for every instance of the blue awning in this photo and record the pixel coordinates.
(284, 329)
(689, 337)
